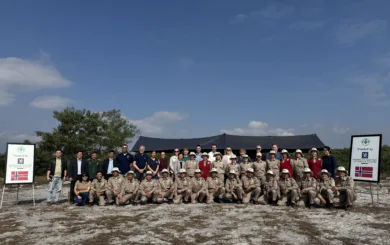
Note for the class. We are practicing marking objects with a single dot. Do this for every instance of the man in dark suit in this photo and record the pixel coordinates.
(108, 164)
(77, 167)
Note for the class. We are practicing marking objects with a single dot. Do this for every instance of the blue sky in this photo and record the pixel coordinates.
(199, 68)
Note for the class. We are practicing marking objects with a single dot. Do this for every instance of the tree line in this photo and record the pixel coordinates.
(103, 131)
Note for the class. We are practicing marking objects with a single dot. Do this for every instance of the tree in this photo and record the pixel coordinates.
(87, 131)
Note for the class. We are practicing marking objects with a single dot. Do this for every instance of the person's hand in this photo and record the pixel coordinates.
(70, 179)
(248, 189)
(48, 178)
(121, 200)
(197, 194)
(323, 201)
(78, 196)
(141, 171)
(216, 188)
(334, 188)
(235, 196)
(115, 193)
(244, 195)
(64, 178)
(134, 192)
(148, 194)
(179, 191)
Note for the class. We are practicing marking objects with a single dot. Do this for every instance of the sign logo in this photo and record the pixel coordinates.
(365, 155)
(365, 142)
(21, 149)
(20, 160)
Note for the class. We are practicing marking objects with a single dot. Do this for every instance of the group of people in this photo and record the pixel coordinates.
(195, 177)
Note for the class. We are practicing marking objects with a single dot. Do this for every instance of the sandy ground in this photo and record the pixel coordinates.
(21, 223)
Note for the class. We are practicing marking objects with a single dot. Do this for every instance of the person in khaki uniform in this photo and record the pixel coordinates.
(98, 189)
(325, 188)
(288, 188)
(220, 166)
(148, 189)
(129, 190)
(114, 186)
(81, 190)
(245, 165)
(260, 168)
(308, 188)
(271, 188)
(198, 188)
(215, 187)
(191, 165)
(273, 164)
(251, 187)
(182, 187)
(233, 166)
(344, 188)
(167, 188)
(299, 166)
(233, 188)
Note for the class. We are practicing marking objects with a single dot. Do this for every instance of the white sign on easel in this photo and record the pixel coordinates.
(19, 168)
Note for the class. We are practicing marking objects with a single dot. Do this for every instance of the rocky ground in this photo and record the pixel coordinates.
(21, 223)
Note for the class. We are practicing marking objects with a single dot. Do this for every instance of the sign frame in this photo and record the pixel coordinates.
(6, 164)
(379, 156)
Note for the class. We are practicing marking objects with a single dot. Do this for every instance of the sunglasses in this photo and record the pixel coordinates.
(176, 151)
(228, 150)
(258, 148)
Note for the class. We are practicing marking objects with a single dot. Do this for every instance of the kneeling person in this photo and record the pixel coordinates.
(325, 188)
(183, 187)
(308, 188)
(148, 190)
(98, 189)
(288, 188)
(251, 187)
(114, 186)
(215, 187)
(167, 187)
(233, 188)
(198, 187)
(345, 188)
(81, 190)
(129, 189)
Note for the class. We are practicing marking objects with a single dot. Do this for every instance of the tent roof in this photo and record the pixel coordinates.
(234, 141)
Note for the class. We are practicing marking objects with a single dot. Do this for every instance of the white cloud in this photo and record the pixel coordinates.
(18, 138)
(155, 124)
(306, 25)
(271, 11)
(21, 75)
(373, 88)
(259, 128)
(340, 130)
(349, 32)
(51, 102)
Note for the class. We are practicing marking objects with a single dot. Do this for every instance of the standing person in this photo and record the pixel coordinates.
(182, 163)
(198, 153)
(109, 164)
(258, 150)
(153, 165)
(163, 164)
(125, 160)
(233, 165)
(191, 165)
(260, 169)
(240, 157)
(315, 163)
(227, 156)
(186, 157)
(273, 164)
(56, 173)
(220, 166)
(212, 152)
(328, 161)
(139, 164)
(81, 190)
(287, 163)
(174, 163)
(299, 166)
(275, 148)
(205, 166)
(245, 165)
(94, 166)
(98, 189)
(76, 168)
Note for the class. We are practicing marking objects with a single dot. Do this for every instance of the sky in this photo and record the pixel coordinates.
(180, 69)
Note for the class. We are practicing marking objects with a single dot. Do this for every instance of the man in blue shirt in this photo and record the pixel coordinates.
(124, 160)
(198, 154)
(140, 162)
(278, 156)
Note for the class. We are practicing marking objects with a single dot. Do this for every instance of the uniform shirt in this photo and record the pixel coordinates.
(344, 183)
(78, 166)
(232, 185)
(271, 184)
(260, 169)
(93, 167)
(166, 184)
(183, 184)
(273, 165)
(110, 166)
(153, 163)
(141, 160)
(58, 168)
(124, 160)
(325, 184)
(198, 185)
(191, 166)
(299, 165)
(244, 167)
(287, 184)
(220, 166)
(82, 185)
(308, 184)
(235, 167)
(148, 186)
(99, 185)
(129, 186)
(115, 183)
(213, 183)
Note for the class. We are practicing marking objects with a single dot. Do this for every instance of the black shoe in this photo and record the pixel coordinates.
(330, 205)
(293, 205)
(91, 204)
(239, 202)
(170, 201)
(49, 203)
(311, 206)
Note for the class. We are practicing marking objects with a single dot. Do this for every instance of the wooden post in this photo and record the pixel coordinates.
(2, 197)
(33, 194)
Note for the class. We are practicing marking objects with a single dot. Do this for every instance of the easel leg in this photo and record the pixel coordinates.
(2, 197)
(17, 194)
(33, 194)
(372, 196)
(377, 193)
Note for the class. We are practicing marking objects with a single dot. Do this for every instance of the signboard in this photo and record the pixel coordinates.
(365, 157)
(20, 164)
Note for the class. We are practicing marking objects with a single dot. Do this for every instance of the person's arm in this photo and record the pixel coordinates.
(131, 161)
(294, 184)
(65, 168)
(158, 167)
(70, 171)
(48, 175)
(75, 188)
(135, 164)
(305, 163)
(334, 165)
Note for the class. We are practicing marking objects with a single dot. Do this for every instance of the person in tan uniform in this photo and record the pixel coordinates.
(220, 166)
(325, 188)
(271, 188)
(344, 188)
(233, 188)
(233, 166)
(114, 186)
(81, 190)
(129, 190)
(148, 189)
(251, 187)
(260, 168)
(215, 187)
(182, 187)
(167, 188)
(288, 188)
(299, 166)
(308, 187)
(198, 188)
(273, 164)
(98, 189)
(245, 165)
(191, 165)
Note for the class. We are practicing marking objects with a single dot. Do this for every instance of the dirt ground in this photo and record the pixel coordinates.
(21, 223)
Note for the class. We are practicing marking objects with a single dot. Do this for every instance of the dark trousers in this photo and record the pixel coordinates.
(107, 176)
(139, 176)
(84, 198)
(72, 184)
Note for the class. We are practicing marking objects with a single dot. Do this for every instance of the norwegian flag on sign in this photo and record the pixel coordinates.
(365, 172)
(19, 175)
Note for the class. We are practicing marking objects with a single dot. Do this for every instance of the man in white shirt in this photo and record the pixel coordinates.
(212, 152)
